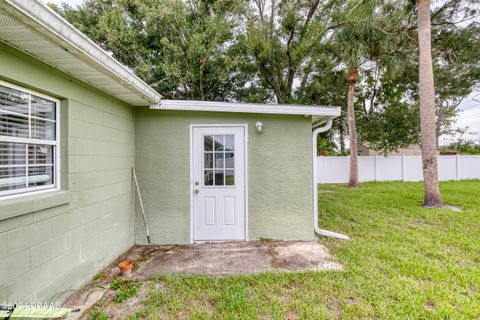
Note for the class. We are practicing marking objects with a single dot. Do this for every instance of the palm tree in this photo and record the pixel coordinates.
(361, 14)
(427, 107)
(352, 78)
(351, 51)
(356, 45)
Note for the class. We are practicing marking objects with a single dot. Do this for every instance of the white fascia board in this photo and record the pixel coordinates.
(57, 29)
(317, 112)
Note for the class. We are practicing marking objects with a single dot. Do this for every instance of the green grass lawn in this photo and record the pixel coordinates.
(404, 261)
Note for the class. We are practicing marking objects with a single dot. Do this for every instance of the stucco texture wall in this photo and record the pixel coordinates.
(56, 241)
(279, 174)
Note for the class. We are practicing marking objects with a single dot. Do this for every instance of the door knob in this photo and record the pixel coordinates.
(197, 191)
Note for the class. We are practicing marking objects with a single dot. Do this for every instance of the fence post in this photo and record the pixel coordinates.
(403, 168)
(375, 166)
(456, 167)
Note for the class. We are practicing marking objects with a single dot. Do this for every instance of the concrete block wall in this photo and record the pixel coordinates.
(55, 242)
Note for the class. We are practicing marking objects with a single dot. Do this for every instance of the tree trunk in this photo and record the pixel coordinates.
(342, 135)
(427, 107)
(352, 78)
(274, 84)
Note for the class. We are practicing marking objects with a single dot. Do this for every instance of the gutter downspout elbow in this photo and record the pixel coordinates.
(318, 231)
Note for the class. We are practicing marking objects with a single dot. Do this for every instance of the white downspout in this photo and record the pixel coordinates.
(320, 232)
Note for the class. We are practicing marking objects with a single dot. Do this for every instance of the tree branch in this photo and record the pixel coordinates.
(291, 67)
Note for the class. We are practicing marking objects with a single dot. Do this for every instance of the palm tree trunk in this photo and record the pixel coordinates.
(342, 135)
(427, 107)
(352, 78)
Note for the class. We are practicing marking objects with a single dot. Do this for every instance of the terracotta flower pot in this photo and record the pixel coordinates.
(126, 267)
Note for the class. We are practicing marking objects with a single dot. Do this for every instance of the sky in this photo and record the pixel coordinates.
(469, 115)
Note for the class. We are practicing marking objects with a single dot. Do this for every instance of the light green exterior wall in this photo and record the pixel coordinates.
(279, 174)
(54, 242)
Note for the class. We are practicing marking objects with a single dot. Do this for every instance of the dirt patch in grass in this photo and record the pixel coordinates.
(453, 208)
(446, 207)
(126, 301)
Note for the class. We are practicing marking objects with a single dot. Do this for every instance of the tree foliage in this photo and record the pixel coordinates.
(462, 146)
(183, 50)
(295, 51)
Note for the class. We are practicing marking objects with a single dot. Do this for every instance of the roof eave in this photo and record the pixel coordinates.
(54, 27)
(316, 112)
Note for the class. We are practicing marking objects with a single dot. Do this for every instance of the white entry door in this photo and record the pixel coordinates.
(218, 183)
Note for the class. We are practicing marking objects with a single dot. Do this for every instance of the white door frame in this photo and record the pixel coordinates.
(191, 182)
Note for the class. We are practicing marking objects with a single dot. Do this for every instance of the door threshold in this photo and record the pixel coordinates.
(218, 241)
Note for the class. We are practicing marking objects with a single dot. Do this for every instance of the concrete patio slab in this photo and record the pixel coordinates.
(211, 258)
(230, 258)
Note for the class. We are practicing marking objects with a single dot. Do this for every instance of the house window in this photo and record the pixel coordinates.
(29, 141)
(219, 160)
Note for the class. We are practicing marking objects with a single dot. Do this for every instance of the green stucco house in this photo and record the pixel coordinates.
(73, 124)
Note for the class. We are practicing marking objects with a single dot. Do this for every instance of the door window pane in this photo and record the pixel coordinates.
(208, 160)
(219, 160)
(229, 178)
(219, 176)
(207, 143)
(219, 141)
(229, 160)
(208, 178)
(229, 142)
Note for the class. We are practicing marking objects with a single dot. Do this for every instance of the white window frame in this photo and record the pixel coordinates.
(7, 194)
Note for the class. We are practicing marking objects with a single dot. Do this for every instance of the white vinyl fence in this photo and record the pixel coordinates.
(396, 168)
